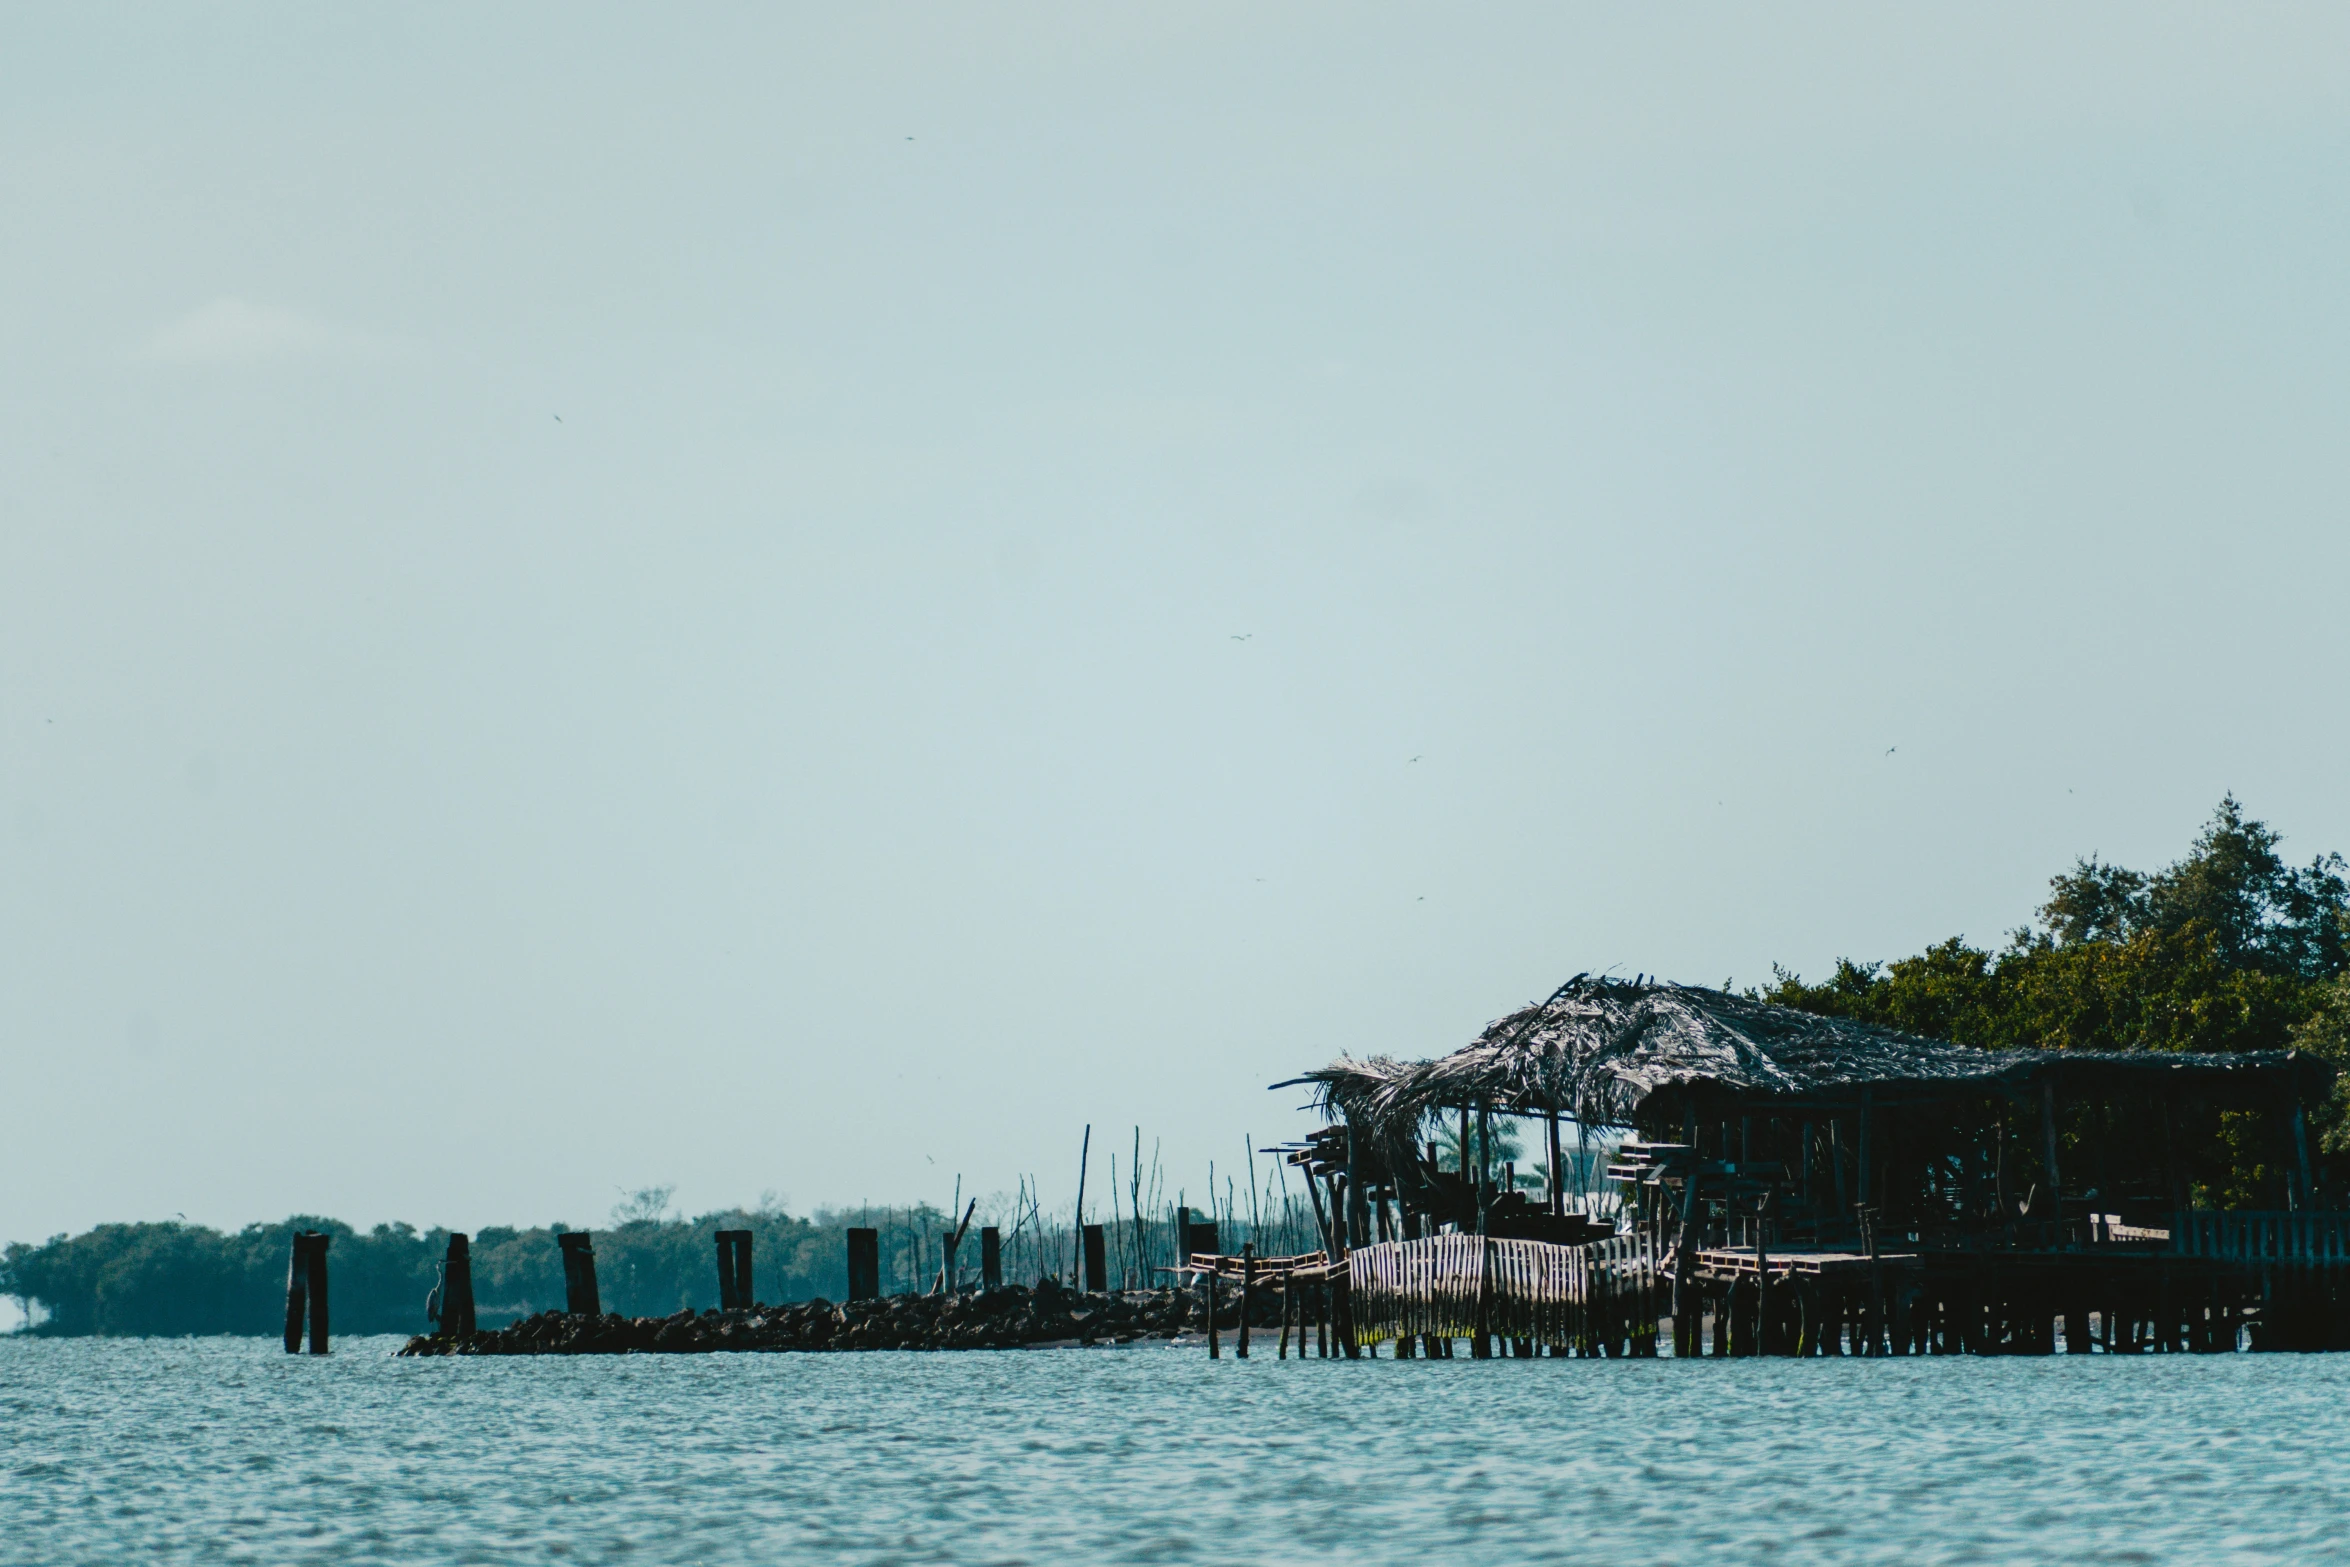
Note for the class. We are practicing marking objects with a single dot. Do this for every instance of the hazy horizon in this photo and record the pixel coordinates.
(802, 601)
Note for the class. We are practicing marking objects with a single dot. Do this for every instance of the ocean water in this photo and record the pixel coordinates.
(229, 1450)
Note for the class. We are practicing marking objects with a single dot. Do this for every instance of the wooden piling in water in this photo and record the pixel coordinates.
(991, 1258)
(316, 1259)
(864, 1264)
(734, 1270)
(1208, 1301)
(457, 1320)
(1342, 1310)
(580, 1296)
(1097, 1268)
(297, 1291)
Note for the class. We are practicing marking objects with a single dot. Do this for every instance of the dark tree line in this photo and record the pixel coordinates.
(128, 1279)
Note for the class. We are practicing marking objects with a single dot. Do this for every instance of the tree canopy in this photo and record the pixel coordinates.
(2228, 948)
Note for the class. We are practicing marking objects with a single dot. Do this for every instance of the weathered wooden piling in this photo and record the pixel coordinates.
(580, 1297)
(457, 1319)
(306, 1291)
(318, 1245)
(864, 1264)
(297, 1291)
(1097, 1268)
(734, 1270)
(1207, 1284)
(991, 1258)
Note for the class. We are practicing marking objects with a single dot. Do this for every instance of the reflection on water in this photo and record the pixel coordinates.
(230, 1450)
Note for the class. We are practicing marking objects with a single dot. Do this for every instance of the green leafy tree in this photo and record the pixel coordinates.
(2230, 948)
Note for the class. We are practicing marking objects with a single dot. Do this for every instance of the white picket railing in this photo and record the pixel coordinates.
(1597, 1294)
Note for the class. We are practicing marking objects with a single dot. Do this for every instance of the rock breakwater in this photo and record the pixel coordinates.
(1012, 1318)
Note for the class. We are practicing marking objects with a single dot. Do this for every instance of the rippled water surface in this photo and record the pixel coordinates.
(229, 1450)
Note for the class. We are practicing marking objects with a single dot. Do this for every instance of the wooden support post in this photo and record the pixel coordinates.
(864, 1264)
(1356, 1211)
(1183, 1232)
(297, 1291)
(1687, 1307)
(1836, 1165)
(1558, 1180)
(2304, 1194)
(1208, 1300)
(1342, 1312)
(457, 1319)
(580, 1297)
(1288, 1307)
(734, 1270)
(1861, 1148)
(2048, 1148)
(1248, 1295)
(1097, 1266)
(315, 1258)
(991, 1258)
(1484, 1164)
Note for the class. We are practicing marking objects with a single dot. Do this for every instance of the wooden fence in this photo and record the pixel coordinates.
(1600, 1298)
(2305, 1238)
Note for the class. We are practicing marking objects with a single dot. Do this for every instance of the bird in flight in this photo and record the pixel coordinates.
(1417, 758)
(1244, 636)
(558, 418)
(1889, 750)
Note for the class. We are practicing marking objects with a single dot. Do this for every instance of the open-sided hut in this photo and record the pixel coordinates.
(1769, 1144)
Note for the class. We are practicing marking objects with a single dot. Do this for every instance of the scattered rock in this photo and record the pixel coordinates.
(1008, 1318)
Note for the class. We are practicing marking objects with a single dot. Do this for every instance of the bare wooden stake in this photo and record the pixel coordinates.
(1208, 1294)
(1248, 1293)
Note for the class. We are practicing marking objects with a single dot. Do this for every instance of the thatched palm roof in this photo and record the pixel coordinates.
(1599, 1048)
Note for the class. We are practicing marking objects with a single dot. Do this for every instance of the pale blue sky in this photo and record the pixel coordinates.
(746, 597)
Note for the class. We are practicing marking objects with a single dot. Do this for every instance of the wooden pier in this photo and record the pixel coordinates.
(1786, 1183)
(2286, 1288)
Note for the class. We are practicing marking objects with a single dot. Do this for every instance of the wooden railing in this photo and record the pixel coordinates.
(2305, 1238)
(1456, 1286)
